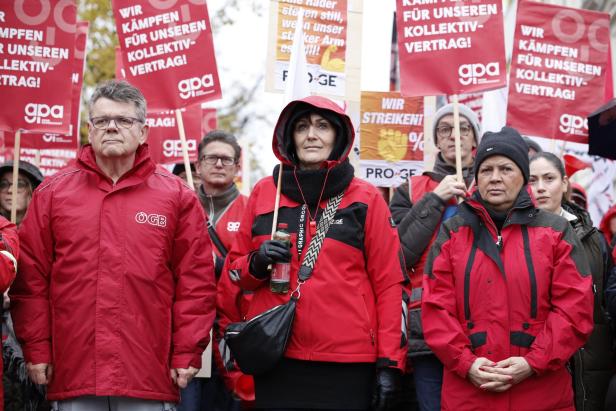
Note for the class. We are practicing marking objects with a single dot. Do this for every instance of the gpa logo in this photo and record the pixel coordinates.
(43, 114)
(233, 226)
(194, 86)
(478, 73)
(173, 148)
(156, 220)
(575, 125)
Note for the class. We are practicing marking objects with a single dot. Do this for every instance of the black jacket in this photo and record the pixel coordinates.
(593, 364)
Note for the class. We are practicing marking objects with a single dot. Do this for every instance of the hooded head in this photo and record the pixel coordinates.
(283, 143)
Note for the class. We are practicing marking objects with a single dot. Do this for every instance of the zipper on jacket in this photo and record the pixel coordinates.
(580, 373)
(372, 338)
(499, 242)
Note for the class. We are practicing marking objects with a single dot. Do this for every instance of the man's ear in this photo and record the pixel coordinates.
(89, 131)
(144, 134)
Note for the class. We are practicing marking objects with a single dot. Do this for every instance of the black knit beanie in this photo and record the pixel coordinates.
(509, 143)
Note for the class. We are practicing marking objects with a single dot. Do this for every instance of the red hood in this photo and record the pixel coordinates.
(278, 143)
(605, 223)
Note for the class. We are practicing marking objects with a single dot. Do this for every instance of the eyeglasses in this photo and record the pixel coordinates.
(22, 185)
(212, 160)
(102, 123)
(445, 131)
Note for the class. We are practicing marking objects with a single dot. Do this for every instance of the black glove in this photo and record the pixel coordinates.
(270, 252)
(387, 388)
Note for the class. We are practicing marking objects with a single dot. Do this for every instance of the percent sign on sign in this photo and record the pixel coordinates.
(417, 140)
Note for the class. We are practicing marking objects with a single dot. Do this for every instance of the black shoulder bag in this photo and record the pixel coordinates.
(257, 345)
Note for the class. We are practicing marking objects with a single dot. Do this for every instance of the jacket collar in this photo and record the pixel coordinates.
(142, 168)
(442, 169)
(522, 212)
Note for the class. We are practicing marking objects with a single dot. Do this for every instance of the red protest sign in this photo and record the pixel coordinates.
(71, 139)
(209, 121)
(164, 137)
(168, 51)
(450, 47)
(558, 69)
(37, 43)
(49, 161)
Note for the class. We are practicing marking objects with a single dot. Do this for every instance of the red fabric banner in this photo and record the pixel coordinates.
(558, 70)
(37, 43)
(168, 51)
(164, 137)
(450, 47)
(54, 140)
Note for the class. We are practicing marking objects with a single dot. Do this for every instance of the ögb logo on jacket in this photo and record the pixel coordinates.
(173, 148)
(43, 114)
(156, 220)
(478, 73)
(571, 124)
(193, 87)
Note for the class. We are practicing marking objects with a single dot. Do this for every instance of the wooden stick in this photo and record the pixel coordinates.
(189, 177)
(15, 176)
(277, 202)
(456, 131)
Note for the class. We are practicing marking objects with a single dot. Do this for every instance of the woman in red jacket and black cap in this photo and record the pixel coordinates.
(507, 292)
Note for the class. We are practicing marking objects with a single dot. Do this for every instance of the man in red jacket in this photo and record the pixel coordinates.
(219, 158)
(115, 296)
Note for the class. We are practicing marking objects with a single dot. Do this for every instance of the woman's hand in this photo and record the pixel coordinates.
(481, 376)
(515, 367)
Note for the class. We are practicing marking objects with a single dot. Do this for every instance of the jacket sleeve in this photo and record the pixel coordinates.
(229, 310)
(385, 266)
(194, 303)
(30, 291)
(244, 247)
(416, 223)
(442, 330)
(570, 321)
(9, 253)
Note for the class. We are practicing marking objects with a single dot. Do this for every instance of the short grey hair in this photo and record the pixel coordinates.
(121, 91)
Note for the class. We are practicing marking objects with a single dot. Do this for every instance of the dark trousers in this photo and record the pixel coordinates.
(428, 374)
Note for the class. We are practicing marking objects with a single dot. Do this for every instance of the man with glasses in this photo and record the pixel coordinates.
(219, 157)
(419, 207)
(116, 291)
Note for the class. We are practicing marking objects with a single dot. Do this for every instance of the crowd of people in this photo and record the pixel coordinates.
(490, 292)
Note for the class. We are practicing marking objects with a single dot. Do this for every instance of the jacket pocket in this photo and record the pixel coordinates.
(367, 320)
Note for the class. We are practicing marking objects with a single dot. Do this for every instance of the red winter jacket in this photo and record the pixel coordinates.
(232, 304)
(9, 252)
(116, 282)
(531, 297)
(351, 307)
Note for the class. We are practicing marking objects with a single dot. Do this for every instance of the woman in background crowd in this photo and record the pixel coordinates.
(593, 364)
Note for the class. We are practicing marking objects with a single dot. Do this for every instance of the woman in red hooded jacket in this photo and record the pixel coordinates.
(347, 345)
